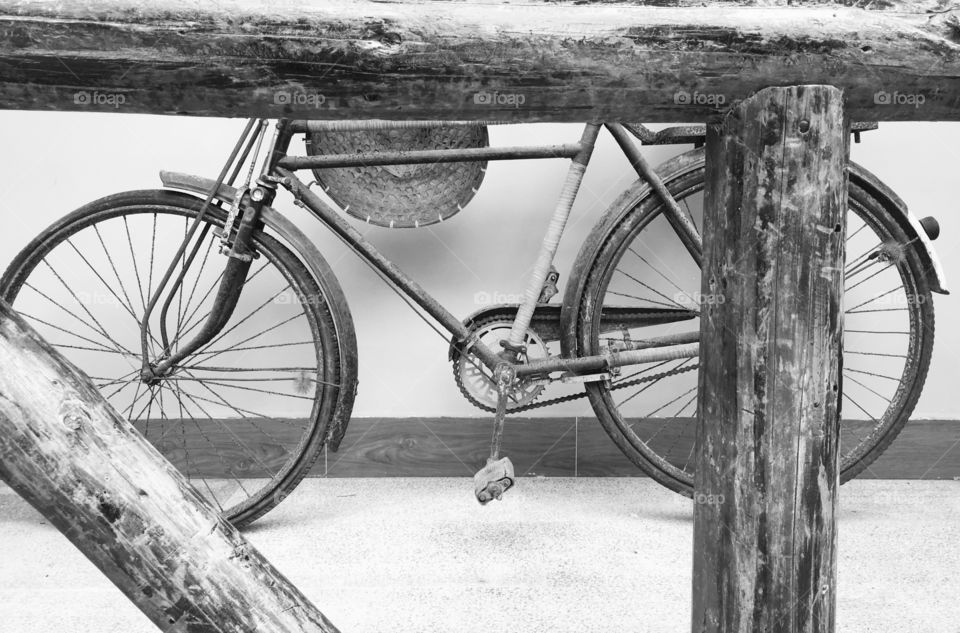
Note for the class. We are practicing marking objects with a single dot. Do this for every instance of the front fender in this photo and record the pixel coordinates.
(312, 258)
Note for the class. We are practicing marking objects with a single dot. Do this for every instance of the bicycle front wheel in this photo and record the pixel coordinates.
(245, 416)
(650, 410)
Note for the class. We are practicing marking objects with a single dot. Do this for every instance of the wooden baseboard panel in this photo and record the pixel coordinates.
(457, 447)
(573, 447)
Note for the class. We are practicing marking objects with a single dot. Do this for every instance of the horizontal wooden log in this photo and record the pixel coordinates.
(475, 59)
(89, 472)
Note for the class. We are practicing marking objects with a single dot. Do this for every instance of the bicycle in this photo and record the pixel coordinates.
(627, 324)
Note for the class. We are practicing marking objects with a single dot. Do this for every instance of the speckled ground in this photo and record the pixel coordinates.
(419, 555)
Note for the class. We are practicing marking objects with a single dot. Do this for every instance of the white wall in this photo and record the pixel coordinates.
(54, 162)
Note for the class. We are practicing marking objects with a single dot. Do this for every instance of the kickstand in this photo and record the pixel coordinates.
(497, 476)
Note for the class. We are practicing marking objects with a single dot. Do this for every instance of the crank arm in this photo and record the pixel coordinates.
(494, 479)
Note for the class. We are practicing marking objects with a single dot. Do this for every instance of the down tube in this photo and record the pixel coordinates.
(369, 253)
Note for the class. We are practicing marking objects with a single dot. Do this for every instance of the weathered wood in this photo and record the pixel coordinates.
(766, 479)
(73, 458)
(476, 59)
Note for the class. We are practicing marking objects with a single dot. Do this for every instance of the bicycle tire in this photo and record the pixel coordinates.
(637, 207)
(325, 321)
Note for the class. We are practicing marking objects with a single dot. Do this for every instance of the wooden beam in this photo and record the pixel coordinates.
(766, 478)
(86, 469)
(475, 59)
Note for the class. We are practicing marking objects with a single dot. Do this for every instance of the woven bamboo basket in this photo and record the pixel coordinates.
(401, 196)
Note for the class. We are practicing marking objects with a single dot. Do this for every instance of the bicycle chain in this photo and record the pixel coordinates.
(583, 394)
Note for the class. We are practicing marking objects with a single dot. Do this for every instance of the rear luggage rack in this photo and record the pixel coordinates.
(696, 134)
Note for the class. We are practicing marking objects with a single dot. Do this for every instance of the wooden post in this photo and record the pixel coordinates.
(764, 518)
(88, 471)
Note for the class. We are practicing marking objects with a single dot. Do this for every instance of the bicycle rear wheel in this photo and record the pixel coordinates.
(650, 410)
(245, 416)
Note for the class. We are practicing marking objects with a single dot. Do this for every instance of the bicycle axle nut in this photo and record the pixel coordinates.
(493, 480)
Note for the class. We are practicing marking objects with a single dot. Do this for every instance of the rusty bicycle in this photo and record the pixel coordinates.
(209, 319)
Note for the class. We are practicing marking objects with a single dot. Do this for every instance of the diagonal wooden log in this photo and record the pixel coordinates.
(476, 59)
(766, 478)
(95, 478)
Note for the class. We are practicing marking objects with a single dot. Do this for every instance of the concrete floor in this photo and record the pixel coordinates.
(420, 555)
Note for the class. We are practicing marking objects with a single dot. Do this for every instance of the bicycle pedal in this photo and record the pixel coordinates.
(493, 480)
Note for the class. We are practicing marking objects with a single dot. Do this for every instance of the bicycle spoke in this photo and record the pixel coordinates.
(690, 216)
(79, 336)
(846, 351)
(146, 407)
(153, 247)
(126, 379)
(628, 296)
(851, 264)
(247, 340)
(877, 310)
(865, 280)
(204, 317)
(133, 258)
(181, 320)
(116, 274)
(657, 270)
(869, 373)
(676, 437)
(854, 234)
(879, 296)
(126, 384)
(136, 397)
(99, 330)
(662, 407)
(871, 390)
(206, 295)
(876, 331)
(210, 381)
(243, 369)
(236, 438)
(227, 467)
(252, 347)
(241, 456)
(650, 288)
(857, 405)
(652, 383)
(183, 267)
(103, 281)
(645, 370)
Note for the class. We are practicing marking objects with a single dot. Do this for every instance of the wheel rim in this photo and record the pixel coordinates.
(658, 417)
(232, 417)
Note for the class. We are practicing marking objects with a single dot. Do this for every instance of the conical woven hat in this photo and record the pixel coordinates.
(401, 196)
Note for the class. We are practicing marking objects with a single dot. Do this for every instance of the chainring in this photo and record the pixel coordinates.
(475, 380)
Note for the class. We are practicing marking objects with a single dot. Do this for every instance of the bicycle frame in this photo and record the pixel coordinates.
(578, 153)
(279, 169)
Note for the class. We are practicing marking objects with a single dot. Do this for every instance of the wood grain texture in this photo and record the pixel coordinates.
(408, 59)
(455, 447)
(767, 458)
(131, 513)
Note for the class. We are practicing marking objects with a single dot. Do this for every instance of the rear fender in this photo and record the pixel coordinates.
(690, 161)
